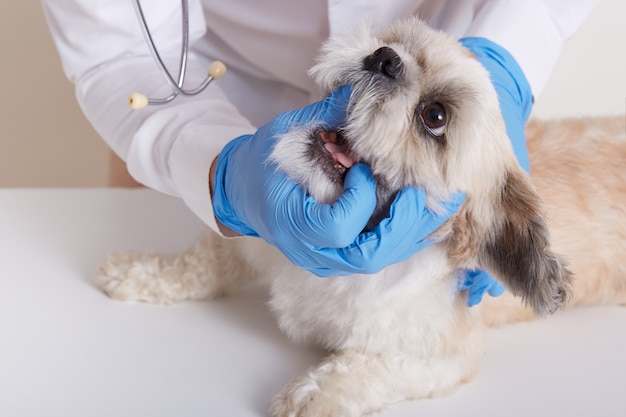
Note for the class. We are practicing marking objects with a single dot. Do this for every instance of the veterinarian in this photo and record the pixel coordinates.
(268, 46)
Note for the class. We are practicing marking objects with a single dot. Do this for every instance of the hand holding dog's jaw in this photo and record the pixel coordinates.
(397, 237)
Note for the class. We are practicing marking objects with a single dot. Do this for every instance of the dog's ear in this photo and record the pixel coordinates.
(516, 249)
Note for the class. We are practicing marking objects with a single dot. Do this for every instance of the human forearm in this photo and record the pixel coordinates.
(168, 148)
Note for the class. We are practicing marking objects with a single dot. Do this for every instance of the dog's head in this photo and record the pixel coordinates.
(423, 112)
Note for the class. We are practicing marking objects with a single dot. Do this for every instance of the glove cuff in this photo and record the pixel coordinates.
(224, 211)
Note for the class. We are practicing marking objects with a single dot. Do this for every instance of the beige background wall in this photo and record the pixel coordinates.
(45, 141)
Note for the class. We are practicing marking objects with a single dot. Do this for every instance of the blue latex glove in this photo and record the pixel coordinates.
(252, 198)
(514, 93)
(478, 282)
(516, 100)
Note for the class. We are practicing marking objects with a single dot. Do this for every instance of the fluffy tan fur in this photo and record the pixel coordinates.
(406, 332)
(577, 166)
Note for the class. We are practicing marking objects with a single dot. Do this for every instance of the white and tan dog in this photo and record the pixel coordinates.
(423, 112)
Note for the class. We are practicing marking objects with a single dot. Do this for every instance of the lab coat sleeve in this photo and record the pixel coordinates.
(533, 31)
(167, 148)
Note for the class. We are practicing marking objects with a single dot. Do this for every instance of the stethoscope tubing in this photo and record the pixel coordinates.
(177, 86)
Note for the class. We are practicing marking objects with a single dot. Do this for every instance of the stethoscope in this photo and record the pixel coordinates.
(216, 69)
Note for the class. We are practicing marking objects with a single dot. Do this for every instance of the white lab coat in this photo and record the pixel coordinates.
(267, 46)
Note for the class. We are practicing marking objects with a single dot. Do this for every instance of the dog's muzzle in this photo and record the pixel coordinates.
(384, 61)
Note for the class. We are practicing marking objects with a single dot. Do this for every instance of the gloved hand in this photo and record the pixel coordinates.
(516, 100)
(514, 93)
(478, 282)
(252, 198)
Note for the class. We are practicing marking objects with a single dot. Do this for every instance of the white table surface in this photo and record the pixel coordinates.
(67, 350)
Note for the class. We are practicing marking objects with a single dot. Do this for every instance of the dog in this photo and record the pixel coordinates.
(423, 113)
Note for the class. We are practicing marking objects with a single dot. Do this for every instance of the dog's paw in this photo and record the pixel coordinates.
(136, 276)
(305, 399)
(554, 290)
(340, 386)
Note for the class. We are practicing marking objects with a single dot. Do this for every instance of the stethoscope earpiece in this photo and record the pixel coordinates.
(217, 69)
(137, 101)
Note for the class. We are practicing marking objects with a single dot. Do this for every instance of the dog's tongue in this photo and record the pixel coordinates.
(338, 155)
(337, 152)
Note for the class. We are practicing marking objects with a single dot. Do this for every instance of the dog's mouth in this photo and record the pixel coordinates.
(332, 152)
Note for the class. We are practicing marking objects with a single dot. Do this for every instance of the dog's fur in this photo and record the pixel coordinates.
(406, 332)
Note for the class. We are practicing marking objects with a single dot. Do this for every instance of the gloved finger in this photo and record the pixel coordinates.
(337, 225)
(331, 110)
(475, 295)
(466, 279)
(395, 239)
(496, 289)
(410, 224)
(334, 107)
(478, 287)
(429, 220)
(479, 283)
(400, 235)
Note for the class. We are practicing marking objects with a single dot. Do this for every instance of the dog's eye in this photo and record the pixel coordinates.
(434, 118)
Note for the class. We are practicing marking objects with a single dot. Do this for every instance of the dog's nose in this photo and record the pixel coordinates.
(384, 61)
